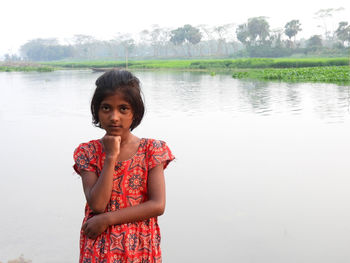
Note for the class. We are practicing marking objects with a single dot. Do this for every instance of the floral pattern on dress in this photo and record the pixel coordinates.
(131, 242)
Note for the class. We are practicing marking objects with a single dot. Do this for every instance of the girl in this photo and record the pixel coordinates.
(122, 178)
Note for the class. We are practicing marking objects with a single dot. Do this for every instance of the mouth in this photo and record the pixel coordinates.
(115, 126)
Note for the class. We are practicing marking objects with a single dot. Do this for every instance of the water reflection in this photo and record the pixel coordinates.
(196, 94)
(167, 92)
(261, 174)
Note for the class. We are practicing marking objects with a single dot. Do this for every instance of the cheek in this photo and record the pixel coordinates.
(101, 117)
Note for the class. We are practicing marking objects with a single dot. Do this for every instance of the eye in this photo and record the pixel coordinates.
(104, 107)
(124, 108)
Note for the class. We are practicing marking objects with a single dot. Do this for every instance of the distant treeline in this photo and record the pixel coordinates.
(254, 38)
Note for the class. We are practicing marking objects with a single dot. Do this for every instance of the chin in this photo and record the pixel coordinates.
(114, 133)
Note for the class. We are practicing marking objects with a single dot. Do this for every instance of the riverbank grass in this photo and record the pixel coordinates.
(332, 74)
(25, 67)
(208, 64)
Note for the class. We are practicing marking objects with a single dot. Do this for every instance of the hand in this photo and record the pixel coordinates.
(95, 226)
(111, 145)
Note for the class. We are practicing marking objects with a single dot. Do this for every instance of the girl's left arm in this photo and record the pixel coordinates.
(154, 206)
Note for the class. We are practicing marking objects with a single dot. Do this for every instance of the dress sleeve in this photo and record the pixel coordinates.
(84, 159)
(159, 152)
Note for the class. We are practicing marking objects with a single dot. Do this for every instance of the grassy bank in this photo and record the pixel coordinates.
(21, 66)
(140, 64)
(283, 69)
(335, 74)
(271, 63)
(207, 65)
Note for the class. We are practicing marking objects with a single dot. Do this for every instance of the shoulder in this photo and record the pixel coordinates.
(86, 156)
(157, 152)
(91, 147)
(153, 144)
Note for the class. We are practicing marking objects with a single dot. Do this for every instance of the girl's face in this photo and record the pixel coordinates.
(115, 115)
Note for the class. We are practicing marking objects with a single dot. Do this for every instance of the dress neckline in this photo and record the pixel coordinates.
(129, 159)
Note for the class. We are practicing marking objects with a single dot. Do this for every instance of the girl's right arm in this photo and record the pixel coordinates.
(98, 189)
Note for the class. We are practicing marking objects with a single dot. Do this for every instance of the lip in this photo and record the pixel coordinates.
(115, 126)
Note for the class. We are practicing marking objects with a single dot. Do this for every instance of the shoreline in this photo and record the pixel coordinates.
(324, 70)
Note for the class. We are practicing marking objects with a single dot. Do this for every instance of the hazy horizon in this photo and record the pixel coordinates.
(64, 19)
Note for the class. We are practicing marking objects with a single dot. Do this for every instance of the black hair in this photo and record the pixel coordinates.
(121, 81)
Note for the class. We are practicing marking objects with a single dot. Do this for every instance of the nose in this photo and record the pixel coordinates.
(114, 116)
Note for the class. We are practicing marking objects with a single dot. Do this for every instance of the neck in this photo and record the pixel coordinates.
(126, 138)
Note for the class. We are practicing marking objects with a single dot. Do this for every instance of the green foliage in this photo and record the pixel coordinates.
(140, 64)
(45, 50)
(26, 68)
(343, 32)
(186, 33)
(314, 42)
(258, 28)
(268, 52)
(335, 74)
(243, 34)
(292, 28)
(254, 32)
(221, 64)
(269, 63)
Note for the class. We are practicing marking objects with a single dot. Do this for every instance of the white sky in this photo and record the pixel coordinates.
(22, 20)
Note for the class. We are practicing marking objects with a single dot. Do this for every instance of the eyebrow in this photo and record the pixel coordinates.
(127, 104)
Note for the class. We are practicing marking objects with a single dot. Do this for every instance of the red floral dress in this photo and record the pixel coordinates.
(130, 242)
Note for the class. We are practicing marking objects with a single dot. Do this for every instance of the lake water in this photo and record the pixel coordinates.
(261, 175)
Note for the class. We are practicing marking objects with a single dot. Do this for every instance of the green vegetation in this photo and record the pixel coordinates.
(141, 64)
(206, 65)
(20, 66)
(38, 69)
(270, 63)
(335, 74)
(305, 69)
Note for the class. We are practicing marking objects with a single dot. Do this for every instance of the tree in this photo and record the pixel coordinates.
(164, 39)
(128, 45)
(12, 57)
(255, 32)
(186, 34)
(259, 29)
(209, 38)
(314, 42)
(84, 45)
(276, 37)
(324, 15)
(291, 29)
(155, 35)
(243, 34)
(81, 39)
(192, 34)
(44, 49)
(177, 36)
(343, 32)
(222, 32)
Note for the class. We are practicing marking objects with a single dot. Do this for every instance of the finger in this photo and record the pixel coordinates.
(92, 236)
(83, 226)
(87, 232)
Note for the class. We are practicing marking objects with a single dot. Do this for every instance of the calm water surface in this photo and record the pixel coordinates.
(261, 176)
